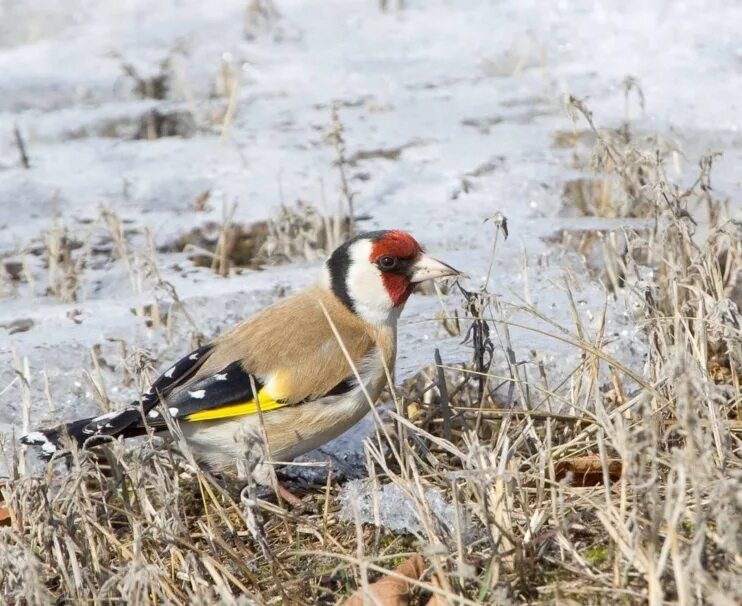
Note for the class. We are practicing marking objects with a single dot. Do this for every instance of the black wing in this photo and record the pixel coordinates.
(176, 375)
(231, 385)
(231, 392)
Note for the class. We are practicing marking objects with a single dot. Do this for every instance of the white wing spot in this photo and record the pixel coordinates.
(106, 416)
(153, 414)
(193, 356)
(173, 411)
(169, 372)
(198, 394)
(35, 437)
(220, 376)
(49, 448)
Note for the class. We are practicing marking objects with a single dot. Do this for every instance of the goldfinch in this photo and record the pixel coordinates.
(297, 363)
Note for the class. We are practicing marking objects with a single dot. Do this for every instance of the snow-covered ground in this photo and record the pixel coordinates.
(449, 108)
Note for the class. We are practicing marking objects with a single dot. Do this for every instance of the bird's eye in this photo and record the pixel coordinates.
(387, 262)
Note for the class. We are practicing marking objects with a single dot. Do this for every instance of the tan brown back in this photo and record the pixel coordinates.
(294, 339)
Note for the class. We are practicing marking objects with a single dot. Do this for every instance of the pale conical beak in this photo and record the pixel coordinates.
(428, 268)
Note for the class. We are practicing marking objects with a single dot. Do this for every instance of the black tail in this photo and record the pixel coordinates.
(50, 440)
(86, 432)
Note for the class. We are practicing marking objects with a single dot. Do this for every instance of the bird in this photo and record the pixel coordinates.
(296, 375)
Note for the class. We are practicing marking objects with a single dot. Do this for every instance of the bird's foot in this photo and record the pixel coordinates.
(296, 502)
(284, 494)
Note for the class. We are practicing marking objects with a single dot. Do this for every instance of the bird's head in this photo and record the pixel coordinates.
(374, 273)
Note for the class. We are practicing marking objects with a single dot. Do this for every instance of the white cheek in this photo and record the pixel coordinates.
(366, 287)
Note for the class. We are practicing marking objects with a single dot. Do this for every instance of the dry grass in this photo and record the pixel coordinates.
(56, 262)
(622, 168)
(602, 485)
(298, 232)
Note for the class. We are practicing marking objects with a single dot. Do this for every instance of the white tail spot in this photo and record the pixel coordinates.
(35, 437)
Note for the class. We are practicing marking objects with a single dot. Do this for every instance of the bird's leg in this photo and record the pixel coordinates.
(290, 497)
(283, 494)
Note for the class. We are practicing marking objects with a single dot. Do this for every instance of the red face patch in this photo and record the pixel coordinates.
(398, 287)
(395, 243)
(399, 244)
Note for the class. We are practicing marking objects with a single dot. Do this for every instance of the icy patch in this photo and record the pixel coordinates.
(397, 510)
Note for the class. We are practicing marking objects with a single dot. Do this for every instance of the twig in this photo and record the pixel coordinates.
(21, 147)
(443, 389)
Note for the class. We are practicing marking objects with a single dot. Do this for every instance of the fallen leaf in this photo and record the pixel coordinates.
(587, 470)
(435, 599)
(391, 591)
(4, 514)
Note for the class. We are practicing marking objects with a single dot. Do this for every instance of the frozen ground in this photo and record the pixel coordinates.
(449, 108)
(398, 509)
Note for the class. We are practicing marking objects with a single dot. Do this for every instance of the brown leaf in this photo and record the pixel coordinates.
(391, 591)
(587, 470)
(4, 514)
(435, 599)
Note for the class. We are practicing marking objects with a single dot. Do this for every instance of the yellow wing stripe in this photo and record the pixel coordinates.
(267, 403)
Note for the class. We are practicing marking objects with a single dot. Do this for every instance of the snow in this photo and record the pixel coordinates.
(361, 502)
(468, 93)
